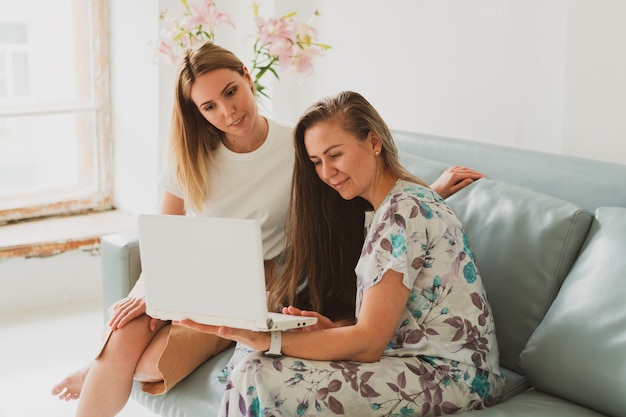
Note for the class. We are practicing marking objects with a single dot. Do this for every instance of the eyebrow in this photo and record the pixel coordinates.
(325, 151)
(222, 93)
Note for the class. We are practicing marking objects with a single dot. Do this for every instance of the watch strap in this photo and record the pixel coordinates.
(275, 344)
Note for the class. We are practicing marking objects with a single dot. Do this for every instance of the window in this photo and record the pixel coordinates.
(55, 155)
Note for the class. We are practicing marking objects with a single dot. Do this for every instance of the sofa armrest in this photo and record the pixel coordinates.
(121, 266)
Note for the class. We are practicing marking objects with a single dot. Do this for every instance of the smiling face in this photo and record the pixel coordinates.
(225, 99)
(342, 161)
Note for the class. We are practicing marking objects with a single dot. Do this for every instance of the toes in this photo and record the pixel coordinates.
(65, 394)
(68, 396)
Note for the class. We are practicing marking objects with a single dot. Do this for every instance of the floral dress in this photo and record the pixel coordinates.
(443, 357)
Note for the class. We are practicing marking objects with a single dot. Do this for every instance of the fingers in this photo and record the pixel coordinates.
(292, 311)
(153, 323)
(323, 322)
(126, 311)
(461, 184)
(460, 172)
(453, 179)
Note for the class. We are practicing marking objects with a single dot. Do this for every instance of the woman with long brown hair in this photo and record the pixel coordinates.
(423, 339)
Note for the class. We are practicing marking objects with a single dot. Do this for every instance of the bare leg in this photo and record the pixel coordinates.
(109, 379)
(147, 369)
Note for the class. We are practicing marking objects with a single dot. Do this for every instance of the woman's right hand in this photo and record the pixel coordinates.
(129, 309)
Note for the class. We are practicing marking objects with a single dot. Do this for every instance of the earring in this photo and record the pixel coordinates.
(376, 153)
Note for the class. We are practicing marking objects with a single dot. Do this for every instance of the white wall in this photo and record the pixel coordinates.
(595, 80)
(138, 119)
(532, 74)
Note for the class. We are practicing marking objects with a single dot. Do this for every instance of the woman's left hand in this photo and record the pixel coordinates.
(256, 340)
(453, 179)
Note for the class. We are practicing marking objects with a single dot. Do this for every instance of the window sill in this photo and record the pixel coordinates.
(51, 236)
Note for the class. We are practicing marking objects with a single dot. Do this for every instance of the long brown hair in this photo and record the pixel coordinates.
(324, 232)
(192, 138)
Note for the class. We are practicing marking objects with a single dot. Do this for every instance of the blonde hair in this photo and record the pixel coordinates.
(192, 138)
(324, 232)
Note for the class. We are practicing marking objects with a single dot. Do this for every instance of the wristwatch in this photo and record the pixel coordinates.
(276, 338)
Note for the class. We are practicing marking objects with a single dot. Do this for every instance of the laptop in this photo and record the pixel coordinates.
(209, 270)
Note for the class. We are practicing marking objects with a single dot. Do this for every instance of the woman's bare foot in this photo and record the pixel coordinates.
(70, 387)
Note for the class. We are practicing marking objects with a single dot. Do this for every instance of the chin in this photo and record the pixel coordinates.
(347, 195)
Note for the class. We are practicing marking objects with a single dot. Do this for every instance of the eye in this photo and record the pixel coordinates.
(334, 155)
(231, 92)
(209, 107)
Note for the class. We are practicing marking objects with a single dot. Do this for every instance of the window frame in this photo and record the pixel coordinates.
(78, 199)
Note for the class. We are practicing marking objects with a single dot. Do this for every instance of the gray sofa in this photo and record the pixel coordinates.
(549, 234)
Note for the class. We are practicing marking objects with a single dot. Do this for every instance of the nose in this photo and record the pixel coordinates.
(327, 171)
(229, 111)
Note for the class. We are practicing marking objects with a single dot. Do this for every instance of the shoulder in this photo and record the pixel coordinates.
(406, 195)
(409, 202)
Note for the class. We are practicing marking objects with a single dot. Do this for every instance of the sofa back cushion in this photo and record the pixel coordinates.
(525, 243)
(426, 169)
(578, 352)
(586, 182)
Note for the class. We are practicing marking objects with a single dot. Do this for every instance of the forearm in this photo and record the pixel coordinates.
(333, 344)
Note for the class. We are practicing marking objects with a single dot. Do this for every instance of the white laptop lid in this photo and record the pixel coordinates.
(209, 270)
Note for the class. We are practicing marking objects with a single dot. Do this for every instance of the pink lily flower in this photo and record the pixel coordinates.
(207, 14)
(278, 41)
(275, 33)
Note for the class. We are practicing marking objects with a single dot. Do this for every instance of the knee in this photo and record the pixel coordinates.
(127, 344)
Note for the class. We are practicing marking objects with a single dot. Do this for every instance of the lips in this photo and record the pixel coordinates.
(338, 185)
(238, 122)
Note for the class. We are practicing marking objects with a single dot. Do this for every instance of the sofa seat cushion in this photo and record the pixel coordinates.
(534, 403)
(514, 384)
(525, 243)
(199, 394)
(578, 352)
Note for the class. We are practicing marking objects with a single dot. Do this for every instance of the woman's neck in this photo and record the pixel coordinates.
(251, 142)
(381, 189)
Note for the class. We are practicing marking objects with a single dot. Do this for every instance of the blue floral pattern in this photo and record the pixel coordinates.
(443, 357)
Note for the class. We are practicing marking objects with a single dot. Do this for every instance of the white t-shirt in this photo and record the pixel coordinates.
(254, 185)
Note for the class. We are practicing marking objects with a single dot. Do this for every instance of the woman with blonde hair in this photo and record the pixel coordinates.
(225, 160)
(423, 342)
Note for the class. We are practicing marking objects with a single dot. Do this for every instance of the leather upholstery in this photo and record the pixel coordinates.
(525, 243)
(578, 352)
